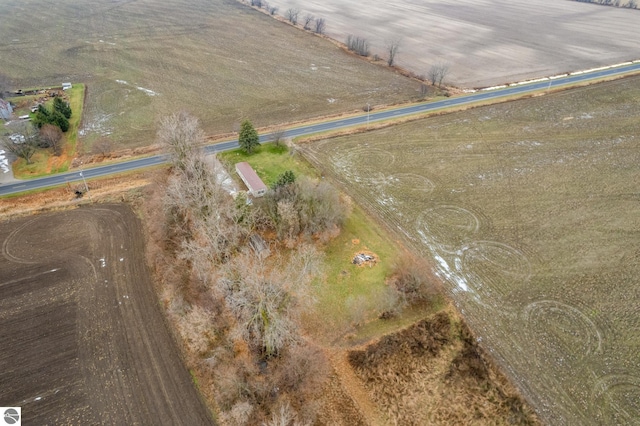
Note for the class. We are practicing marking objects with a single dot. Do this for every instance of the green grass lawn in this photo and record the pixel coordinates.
(348, 294)
(43, 161)
(269, 161)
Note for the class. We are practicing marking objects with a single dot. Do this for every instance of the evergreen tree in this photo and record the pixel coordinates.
(248, 138)
(285, 179)
(42, 117)
(58, 119)
(62, 107)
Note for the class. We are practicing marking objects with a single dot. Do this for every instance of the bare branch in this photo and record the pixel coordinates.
(438, 72)
(392, 47)
(321, 26)
(292, 15)
(23, 143)
(308, 19)
(181, 136)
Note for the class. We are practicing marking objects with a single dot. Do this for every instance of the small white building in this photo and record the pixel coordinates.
(66, 86)
(256, 187)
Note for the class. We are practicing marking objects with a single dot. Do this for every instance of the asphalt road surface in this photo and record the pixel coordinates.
(480, 96)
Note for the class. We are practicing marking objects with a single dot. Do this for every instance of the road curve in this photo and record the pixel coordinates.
(479, 96)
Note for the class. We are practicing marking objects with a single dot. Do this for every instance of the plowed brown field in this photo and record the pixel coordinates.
(82, 337)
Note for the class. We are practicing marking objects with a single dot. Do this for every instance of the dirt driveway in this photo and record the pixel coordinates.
(83, 340)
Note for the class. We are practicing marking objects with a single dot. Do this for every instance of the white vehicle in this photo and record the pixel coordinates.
(17, 138)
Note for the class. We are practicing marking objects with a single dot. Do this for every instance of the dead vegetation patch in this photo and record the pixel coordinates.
(434, 373)
(122, 188)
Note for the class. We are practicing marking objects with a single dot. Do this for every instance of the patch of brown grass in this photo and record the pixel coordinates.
(434, 373)
(123, 188)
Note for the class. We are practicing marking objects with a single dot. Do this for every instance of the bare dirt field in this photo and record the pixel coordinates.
(530, 213)
(219, 59)
(485, 42)
(83, 338)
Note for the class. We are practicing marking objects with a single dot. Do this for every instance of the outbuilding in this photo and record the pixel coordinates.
(254, 184)
(5, 110)
(66, 86)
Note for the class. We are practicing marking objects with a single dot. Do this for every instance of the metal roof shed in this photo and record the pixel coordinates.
(256, 187)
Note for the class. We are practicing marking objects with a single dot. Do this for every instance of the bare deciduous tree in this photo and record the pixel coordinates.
(200, 205)
(102, 146)
(277, 136)
(358, 45)
(284, 416)
(24, 144)
(181, 136)
(308, 19)
(438, 72)
(392, 47)
(50, 137)
(321, 26)
(267, 300)
(413, 282)
(423, 90)
(304, 207)
(292, 15)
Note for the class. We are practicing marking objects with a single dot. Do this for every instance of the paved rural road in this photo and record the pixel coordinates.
(340, 123)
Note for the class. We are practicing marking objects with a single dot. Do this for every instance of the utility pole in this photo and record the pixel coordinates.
(86, 187)
(368, 109)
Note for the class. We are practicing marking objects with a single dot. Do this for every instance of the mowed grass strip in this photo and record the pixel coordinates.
(529, 212)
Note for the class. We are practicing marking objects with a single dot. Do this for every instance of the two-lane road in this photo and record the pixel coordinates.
(340, 123)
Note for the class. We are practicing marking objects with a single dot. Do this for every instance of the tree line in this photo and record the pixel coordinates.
(249, 299)
(628, 4)
(361, 46)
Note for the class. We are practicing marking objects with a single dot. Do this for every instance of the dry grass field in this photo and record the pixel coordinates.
(485, 42)
(530, 211)
(83, 338)
(218, 59)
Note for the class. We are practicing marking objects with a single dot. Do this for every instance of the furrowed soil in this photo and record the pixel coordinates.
(529, 211)
(487, 42)
(83, 337)
(218, 59)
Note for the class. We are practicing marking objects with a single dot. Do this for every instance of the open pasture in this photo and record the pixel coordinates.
(530, 213)
(83, 338)
(218, 59)
(486, 42)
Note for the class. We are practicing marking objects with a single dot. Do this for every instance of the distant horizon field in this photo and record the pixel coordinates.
(529, 213)
(487, 42)
(220, 60)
